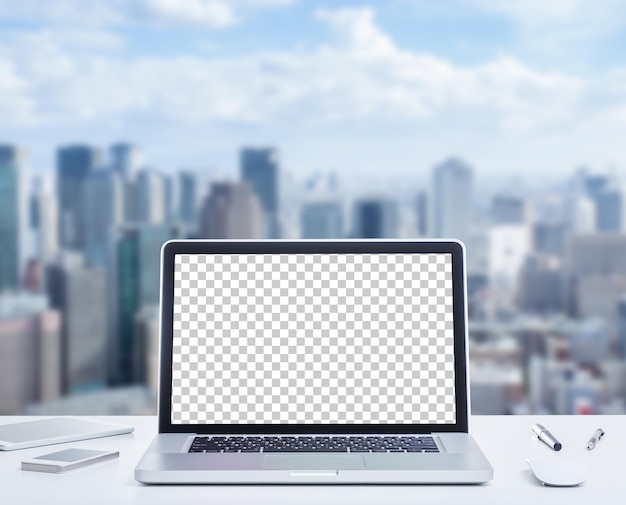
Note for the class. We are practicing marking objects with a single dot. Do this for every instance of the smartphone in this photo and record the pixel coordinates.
(69, 459)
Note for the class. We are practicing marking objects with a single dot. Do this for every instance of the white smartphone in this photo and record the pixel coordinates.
(69, 459)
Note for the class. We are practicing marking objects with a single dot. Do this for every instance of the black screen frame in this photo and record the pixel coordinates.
(172, 248)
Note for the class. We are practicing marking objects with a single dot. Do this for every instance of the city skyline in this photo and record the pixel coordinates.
(525, 88)
(546, 275)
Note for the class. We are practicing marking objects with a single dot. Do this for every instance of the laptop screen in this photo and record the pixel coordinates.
(313, 339)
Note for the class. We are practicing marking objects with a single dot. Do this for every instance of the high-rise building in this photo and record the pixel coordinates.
(549, 237)
(321, 220)
(375, 218)
(137, 286)
(508, 209)
(13, 216)
(170, 197)
(589, 342)
(30, 363)
(148, 199)
(146, 348)
(621, 343)
(79, 292)
(610, 209)
(104, 191)
(580, 214)
(126, 159)
(188, 198)
(231, 211)
(541, 288)
(453, 211)
(74, 165)
(260, 167)
(422, 215)
(45, 220)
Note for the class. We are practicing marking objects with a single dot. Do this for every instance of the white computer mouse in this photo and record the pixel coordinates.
(558, 471)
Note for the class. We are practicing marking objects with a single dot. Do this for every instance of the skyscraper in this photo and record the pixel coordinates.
(452, 204)
(260, 168)
(231, 211)
(105, 193)
(30, 368)
(126, 159)
(74, 165)
(421, 212)
(148, 198)
(45, 219)
(13, 216)
(80, 294)
(188, 198)
(137, 286)
(610, 209)
(321, 219)
(375, 218)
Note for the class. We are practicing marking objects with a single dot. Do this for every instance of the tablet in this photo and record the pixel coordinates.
(56, 430)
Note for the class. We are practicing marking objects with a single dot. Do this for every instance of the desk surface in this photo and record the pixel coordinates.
(506, 441)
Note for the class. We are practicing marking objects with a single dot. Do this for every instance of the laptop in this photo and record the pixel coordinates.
(313, 362)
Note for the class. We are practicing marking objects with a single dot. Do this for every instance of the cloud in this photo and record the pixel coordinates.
(206, 13)
(360, 79)
(559, 26)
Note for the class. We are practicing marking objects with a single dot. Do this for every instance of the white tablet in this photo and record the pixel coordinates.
(56, 430)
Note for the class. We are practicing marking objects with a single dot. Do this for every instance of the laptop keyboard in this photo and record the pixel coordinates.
(314, 444)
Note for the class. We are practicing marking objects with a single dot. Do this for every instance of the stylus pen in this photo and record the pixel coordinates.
(546, 437)
(595, 438)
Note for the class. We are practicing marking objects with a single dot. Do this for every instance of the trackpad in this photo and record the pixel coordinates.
(313, 462)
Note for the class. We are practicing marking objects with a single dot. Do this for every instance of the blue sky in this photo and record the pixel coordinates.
(515, 87)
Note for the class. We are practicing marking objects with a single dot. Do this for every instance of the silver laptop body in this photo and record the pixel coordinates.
(313, 362)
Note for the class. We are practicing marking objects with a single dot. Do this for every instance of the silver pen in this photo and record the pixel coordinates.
(546, 437)
(595, 438)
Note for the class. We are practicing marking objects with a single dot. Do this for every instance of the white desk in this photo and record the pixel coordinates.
(506, 441)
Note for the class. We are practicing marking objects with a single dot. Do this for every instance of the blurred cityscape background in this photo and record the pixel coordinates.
(126, 124)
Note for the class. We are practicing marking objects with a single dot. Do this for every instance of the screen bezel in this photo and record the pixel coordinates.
(173, 248)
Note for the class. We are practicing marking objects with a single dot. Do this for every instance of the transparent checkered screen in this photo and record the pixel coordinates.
(313, 338)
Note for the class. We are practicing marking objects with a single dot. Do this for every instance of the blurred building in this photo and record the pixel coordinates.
(508, 209)
(621, 343)
(148, 205)
(137, 286)
(579, 393)
(321, 220)
(170, 197)
(375, 218)
(79, 292)
(104, 191)
(580, 214)
(422, 215)
(126, 160)
(509, 246)
(231, 211)
(13, 216)
(452, 203)
(495, 389)
(595, 266)
(260, 168)
(188, 201)
(610, 209)
(549, 238)
(541, 285)
(119, 401)
(146, 352)
(589, 342)
(74, 165)
(45, 220)
(30, 343)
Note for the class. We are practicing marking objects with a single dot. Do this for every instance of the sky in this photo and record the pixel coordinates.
(516, 87)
